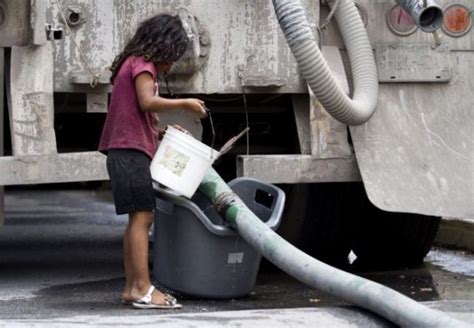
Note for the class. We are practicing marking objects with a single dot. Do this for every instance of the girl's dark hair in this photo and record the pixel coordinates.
(161, 38)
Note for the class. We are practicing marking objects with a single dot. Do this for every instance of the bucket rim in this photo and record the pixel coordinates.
(207, 154)
(176, 199)
(189, 138)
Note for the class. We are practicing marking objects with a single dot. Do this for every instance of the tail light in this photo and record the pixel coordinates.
(400, 22)
(457, 20)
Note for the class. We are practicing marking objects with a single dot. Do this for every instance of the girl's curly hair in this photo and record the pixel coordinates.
(160, 39)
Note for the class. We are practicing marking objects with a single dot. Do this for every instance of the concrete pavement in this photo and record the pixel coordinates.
(60, 264)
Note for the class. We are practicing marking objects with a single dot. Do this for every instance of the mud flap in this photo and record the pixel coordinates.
(416, 153)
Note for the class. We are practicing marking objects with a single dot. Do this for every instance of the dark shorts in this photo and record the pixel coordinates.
(130, 177)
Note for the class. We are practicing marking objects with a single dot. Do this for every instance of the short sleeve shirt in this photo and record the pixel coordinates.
(126, 125)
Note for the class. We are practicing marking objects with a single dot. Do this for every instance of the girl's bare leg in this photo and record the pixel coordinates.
(127, 292)
(137, 256)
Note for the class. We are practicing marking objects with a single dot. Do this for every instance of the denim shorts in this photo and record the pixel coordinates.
(130, 177)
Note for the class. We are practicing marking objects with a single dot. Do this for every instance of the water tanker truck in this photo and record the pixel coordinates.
(362, 109)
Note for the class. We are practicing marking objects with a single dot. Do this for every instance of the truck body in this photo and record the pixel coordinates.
(415, 154)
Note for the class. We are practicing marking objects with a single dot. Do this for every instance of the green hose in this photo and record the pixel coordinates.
(353, 289)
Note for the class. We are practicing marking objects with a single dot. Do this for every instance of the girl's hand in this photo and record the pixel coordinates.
(161, 134)
(196, 106)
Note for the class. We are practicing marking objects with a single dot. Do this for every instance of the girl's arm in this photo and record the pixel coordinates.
(149, 102)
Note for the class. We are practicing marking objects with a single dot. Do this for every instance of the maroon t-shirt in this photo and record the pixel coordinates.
(126, 125)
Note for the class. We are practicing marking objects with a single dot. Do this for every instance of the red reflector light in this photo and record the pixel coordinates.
(400, 22)
(457, 20)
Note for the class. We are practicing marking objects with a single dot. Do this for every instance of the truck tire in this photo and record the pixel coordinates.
(332, 213)
(386, 240)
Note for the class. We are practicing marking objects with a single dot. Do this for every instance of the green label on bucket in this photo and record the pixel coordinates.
(174, 161)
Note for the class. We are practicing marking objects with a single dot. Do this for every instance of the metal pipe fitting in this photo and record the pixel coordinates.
(427, 14)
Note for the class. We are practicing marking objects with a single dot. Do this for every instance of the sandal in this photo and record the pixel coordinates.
(146, 302)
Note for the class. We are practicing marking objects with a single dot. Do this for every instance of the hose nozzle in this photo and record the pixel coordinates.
(427, 14)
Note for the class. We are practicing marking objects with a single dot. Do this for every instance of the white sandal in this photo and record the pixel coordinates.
(146, 302)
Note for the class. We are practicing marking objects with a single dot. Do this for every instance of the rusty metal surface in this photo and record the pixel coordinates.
(416, 154)
(244, 36)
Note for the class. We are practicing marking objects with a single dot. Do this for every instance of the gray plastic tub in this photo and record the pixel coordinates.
(197, 253)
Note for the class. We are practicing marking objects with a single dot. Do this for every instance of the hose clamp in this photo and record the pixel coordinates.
(224, 201)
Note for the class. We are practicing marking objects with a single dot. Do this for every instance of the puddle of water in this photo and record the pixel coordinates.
(453, 261)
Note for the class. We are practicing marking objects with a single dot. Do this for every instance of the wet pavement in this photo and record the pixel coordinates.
(60, 258)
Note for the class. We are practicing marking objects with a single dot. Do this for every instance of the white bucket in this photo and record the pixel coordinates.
(181, 162)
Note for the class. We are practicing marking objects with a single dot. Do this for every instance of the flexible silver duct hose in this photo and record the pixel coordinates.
(313, 67)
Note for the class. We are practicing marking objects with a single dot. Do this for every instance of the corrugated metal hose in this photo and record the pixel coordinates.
(315, 70)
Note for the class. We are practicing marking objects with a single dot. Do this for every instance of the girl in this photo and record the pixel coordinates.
(130, 137)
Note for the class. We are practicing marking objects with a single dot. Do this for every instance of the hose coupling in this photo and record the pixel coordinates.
(224, 201)
(427, 14)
